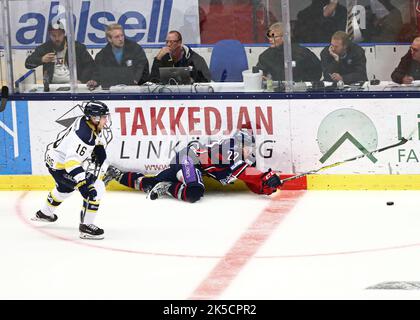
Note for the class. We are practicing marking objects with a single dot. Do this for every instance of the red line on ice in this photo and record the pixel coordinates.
(247, 246)
(276, 201)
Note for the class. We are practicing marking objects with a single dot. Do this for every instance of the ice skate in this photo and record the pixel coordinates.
(159, 190)
(39, 216)
(112, 173)
(91, 232)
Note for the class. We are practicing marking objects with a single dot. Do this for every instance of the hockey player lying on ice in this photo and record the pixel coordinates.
(225, 161)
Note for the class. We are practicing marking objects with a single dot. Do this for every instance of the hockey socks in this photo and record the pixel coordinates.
(186, 192)
(132, 180)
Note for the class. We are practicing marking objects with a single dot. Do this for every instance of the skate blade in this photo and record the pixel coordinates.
(151, 197)
(41, 220)
(87, 236)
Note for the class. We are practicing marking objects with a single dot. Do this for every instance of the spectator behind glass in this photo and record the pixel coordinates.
(408, 69)
(122, 61)
(53, 56)
(317, 23)
(383, 22)
(271, 61)
(175, 54)
(343, 60)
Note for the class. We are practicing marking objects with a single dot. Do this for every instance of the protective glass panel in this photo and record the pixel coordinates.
(219, 46)
(358, 42)
(205, 55)
(2, 57)
(124, 37)
(39, 48)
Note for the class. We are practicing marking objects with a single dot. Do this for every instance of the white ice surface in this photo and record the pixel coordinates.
(331, 245)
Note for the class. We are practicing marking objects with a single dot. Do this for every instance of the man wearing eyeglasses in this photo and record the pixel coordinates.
(408, 69)
(271, 61)
(176, 54)
(53, 56)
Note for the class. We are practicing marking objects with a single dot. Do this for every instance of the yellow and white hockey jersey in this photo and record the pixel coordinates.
(72, 147)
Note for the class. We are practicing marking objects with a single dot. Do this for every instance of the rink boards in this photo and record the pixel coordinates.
(292, 136)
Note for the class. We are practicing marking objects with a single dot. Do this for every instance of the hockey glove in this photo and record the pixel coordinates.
(99, 154)
(87, 190)
(271, 179)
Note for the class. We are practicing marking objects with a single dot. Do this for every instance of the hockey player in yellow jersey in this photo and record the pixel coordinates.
(64, 157)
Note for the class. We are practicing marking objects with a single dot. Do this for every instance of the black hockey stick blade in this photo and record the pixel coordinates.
(4, 97)
(399, 143)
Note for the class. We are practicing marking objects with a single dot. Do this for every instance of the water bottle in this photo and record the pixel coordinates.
(46, 82)
(269, 83)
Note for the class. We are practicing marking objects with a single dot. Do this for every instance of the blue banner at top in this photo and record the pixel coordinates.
(145, 22)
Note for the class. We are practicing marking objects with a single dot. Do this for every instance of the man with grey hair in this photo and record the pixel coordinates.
(408, 69)
(271, 61)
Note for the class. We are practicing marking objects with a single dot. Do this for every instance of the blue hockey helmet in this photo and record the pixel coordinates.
(95, 108)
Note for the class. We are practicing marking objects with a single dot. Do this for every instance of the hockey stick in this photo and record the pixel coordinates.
(399, 143)
(4, 97)
(96, 172)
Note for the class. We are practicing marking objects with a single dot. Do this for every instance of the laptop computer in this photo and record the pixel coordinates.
(112, 76)
(175, 75)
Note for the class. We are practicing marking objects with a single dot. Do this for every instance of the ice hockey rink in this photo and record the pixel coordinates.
(237, 245)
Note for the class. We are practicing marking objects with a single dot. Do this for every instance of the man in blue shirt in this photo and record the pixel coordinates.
(122, 61)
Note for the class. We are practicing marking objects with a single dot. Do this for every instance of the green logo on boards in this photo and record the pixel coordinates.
(345, 125)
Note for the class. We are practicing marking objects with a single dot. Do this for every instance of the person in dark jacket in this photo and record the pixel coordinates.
(384, 22)
(318, 22)
(182, 179)
(271, 61)
(122, 61)
(343, 60)
(175, 54)
(53, 56)
(408, 69)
